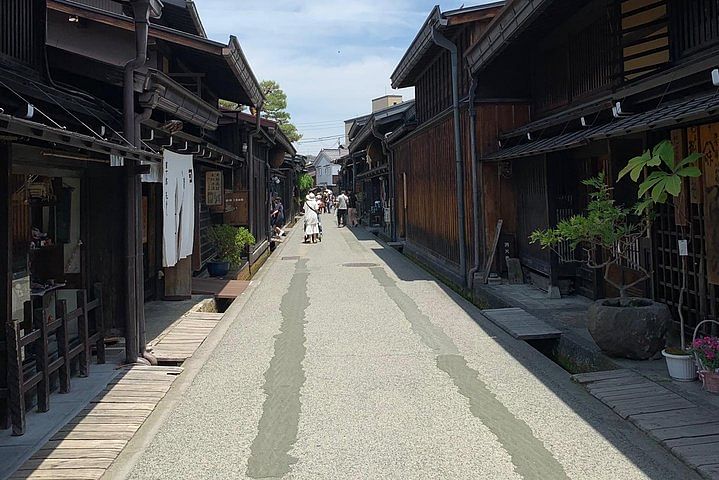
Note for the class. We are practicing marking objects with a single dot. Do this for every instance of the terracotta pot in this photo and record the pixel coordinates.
(710, 380)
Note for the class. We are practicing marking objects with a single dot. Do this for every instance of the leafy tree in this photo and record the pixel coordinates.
(664, 176)
(605, 234)
(275, 108)
(305, 182)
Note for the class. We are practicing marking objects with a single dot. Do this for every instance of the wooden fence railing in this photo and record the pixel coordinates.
(31, 364)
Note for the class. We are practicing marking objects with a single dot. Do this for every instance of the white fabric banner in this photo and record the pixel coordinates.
(178, 195)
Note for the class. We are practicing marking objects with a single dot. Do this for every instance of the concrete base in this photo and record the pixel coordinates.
(553, 293)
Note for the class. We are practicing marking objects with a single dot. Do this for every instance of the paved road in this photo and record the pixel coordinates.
(373, 370)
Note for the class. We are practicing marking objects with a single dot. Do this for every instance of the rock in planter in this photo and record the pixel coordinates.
(633, 328)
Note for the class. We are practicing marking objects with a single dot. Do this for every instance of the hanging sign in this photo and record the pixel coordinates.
(214, 189)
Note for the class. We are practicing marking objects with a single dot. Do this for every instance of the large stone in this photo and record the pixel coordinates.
(633, 328)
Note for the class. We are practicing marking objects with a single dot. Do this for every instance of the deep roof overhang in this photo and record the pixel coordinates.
(18, 127)
(165, 94)
(671, 115)
(219, 59)
(511, 21)
(423, 46)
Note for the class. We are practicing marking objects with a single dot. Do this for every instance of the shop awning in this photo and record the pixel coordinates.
(564, 141)
(39, 132)
(671, 115)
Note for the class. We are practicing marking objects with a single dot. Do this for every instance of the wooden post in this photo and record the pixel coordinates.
(82, 326)
(99, 324)
(5, 277)
(15, 378)
(63, 346)
(42, 347)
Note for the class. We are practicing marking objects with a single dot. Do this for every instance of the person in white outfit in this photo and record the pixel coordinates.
(312, 221)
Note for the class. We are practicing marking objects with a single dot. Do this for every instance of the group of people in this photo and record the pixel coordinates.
(324, 202)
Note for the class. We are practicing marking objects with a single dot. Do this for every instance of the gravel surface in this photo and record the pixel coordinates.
(377, 371)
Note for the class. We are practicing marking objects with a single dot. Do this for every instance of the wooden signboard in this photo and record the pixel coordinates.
(709, 137)
(214, 189)
(696, 188)
(236, 208)
(681, 203)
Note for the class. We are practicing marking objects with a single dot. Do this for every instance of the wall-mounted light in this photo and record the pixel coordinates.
(583, 121)
(715, 77)
(73, 19)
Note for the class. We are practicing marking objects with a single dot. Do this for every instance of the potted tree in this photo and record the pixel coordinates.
(661, 179)
(229, 242)
(603, 237)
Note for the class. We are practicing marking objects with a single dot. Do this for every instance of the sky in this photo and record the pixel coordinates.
(331, 57)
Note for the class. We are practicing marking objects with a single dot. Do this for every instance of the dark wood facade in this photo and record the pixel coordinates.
(607, 80)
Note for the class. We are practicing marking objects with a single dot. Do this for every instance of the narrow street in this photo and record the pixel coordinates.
(348, 361)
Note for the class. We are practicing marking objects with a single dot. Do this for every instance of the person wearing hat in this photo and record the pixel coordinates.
(312, 221)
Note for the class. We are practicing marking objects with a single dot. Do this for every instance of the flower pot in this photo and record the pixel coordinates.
(633, 328)
(710, 381)
(218, 269)
(681, 367)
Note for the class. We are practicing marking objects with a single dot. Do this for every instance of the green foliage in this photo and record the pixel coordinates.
(305, 182)
(603, 225)
(606, 234)
(230, 242)
(275, 108)
(664, 175)
(228, 105)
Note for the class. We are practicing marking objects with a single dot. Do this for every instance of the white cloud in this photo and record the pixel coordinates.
(331, 57)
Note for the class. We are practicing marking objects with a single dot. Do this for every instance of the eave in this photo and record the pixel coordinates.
(231, 54)
(165, 94)
(422, 45)
(511, 21)
(55, 136)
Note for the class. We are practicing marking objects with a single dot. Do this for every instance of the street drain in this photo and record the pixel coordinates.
(360, 265)
(294, 257)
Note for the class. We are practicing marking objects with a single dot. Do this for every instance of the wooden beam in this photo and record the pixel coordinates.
(470, 17)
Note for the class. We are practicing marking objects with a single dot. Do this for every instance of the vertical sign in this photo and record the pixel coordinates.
(681, 202)
(214, 189)
(709, 137)
(696, 188)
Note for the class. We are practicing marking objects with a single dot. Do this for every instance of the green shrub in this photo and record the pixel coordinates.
(230, 242)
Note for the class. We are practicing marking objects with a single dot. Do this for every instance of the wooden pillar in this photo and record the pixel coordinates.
(550, 196)
(5, 275)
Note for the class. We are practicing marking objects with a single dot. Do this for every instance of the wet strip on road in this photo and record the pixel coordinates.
(530, 457)
(284, 378)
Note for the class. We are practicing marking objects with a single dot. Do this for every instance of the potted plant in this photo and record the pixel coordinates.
(661, 179)
(605, 236)
(229, 242)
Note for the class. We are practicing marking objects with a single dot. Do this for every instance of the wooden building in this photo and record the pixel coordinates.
(64, 197)
(434, 175)
(606, 80)
(371, 165)
(86, 156)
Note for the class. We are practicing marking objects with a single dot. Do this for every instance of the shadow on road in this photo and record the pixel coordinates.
(620, 433)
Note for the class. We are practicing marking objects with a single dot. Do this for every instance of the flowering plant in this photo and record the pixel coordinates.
(707, 350)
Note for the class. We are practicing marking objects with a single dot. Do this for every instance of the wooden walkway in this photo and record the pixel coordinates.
(223, 289)
(521, 325)
(688, 431)
(180, 341)
(86, 447)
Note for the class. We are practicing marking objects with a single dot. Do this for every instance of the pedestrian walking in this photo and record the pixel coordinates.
(278, 217)
(342, 205)
(352, 209)
(312, 219)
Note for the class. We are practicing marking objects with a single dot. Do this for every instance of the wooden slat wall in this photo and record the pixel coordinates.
(427, 158)
(20, 34)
